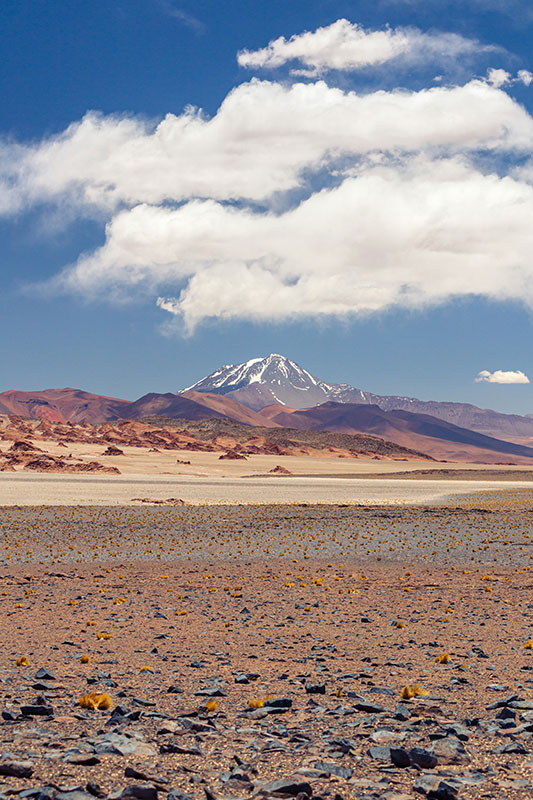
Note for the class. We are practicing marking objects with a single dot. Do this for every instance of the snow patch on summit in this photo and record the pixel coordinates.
(259, 382)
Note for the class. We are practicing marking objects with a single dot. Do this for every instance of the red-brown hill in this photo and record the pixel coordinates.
(169, 405)
(62, 405)
(231, 408)
(433, 436)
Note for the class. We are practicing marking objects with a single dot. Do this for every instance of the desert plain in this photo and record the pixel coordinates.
(341, 628)
(203, 478)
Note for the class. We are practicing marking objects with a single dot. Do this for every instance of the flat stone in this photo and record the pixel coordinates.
(450, 751)
(379, 753)
(369, 708)
(287, 787)
(118, 744)
(279, 703)
(44, 686)
(16, 769)
(82, 759)
(44, 674)
(189, 750)
(423, 758)
(139, 792)
(511, 747)
(436, 788)
(331, 768)
(501, 703)
(315, 688)
(211, 691)
(37, 711)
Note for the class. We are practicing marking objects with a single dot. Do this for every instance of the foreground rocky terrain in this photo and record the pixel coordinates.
(267, 652)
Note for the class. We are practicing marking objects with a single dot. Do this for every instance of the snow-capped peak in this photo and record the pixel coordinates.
(273, 368)
(259, 382)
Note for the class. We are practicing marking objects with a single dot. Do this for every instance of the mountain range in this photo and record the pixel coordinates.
(276, 392)
(277, 380)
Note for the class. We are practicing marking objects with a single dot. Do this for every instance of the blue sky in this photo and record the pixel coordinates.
(100, 329)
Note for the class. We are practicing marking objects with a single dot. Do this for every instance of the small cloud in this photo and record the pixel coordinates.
(344, 45)
(500, 376)
(525, 76)
(498, 77)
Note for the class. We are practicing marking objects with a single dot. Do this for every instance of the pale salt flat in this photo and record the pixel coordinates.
(28, 489)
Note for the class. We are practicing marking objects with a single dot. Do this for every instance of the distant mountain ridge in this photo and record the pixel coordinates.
(436, 437)
(276, 393)
(262, 382)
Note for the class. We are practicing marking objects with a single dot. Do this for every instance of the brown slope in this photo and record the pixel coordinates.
(270, 412)
(230, 408)
(62, 405)
(169, 405)
(436, 437)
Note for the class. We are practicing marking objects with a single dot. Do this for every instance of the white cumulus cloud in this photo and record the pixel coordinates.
(264, 137)
(297, 198)
(410, 235)
(344, 45)
(502, 376)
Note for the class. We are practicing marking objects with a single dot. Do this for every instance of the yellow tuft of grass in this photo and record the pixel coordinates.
(400, 625)
(103, 635)
(96, 702)
(146, 669)
(211, 706)
(23, 661)
(260, 702)
(442, 659)
(528, 645)
(408, 692)
(180, 613)
(84, 659)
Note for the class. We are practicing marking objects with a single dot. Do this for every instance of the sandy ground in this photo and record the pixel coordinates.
(140, 461)
(207, 479)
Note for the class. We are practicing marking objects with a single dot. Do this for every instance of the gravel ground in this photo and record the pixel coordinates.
(329, 611)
